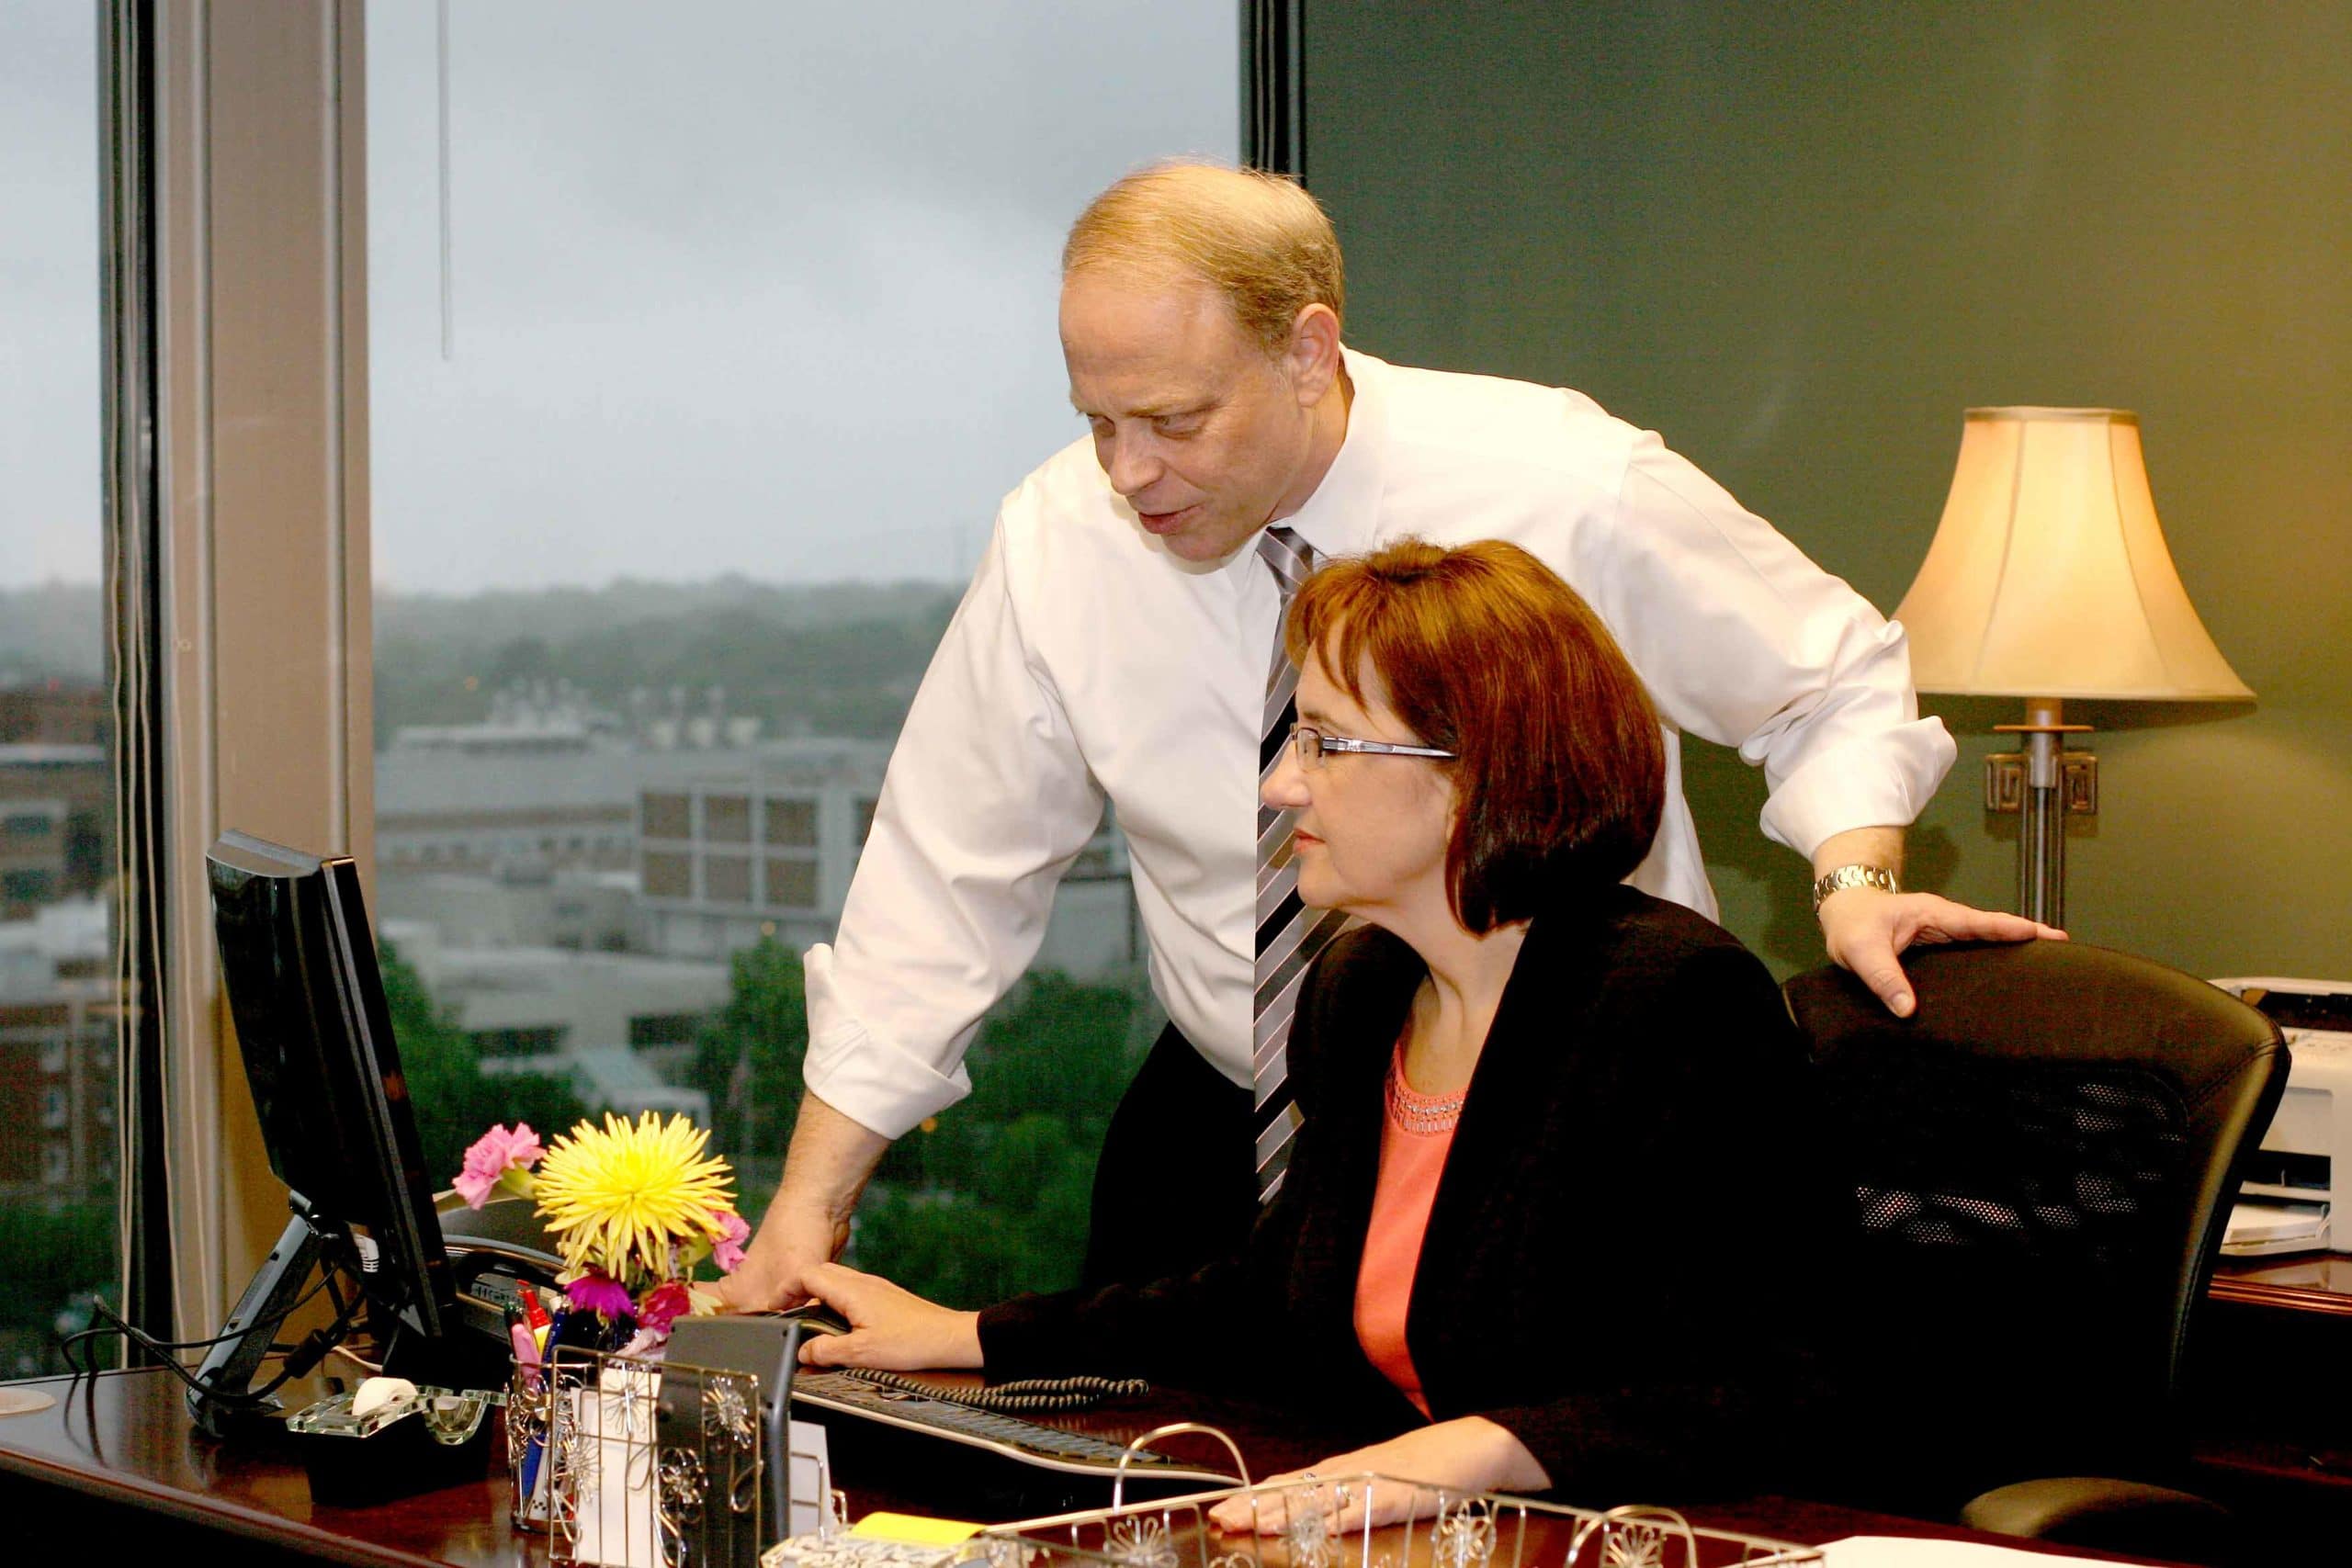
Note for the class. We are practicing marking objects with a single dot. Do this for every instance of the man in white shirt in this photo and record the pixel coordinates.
(1116, 643)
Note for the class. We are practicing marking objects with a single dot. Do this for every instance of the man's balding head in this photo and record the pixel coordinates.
(1257, 240)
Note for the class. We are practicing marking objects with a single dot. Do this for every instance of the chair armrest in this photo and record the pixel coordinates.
(2128, 1517)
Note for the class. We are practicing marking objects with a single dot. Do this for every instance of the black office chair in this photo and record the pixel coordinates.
(2043, 1159)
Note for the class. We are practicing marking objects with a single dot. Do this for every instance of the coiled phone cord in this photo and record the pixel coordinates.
(1027, 1396)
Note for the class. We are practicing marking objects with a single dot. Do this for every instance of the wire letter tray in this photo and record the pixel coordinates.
(638, 1463)
(1431, 1527)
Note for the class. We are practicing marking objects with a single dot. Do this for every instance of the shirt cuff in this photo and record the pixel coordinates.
(878, 1084)
(1883, 781)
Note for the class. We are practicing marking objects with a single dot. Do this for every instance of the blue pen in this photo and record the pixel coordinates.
(535, 1450)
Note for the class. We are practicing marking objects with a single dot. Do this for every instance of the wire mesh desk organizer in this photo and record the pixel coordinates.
(1433, 1526)
(653, 1463)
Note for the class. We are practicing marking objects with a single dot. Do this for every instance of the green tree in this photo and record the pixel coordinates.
(1055, 1047)
(748, 1058)
(985, 1200)
(991, 1197)
(941, 1244)
(522, 658)
(56, 1255)
(453, 1100)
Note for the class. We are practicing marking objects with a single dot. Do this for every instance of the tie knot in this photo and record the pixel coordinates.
(1290, 557)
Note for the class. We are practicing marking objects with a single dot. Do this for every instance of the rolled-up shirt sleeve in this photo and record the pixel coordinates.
(1744, 641)
(986, 803)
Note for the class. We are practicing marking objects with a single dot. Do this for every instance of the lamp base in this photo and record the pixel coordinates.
(2005, 775)
(2045, 783)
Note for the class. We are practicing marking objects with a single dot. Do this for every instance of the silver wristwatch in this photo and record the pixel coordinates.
(1846, 877)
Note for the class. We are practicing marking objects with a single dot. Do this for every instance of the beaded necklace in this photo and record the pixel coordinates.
(1414, 1111)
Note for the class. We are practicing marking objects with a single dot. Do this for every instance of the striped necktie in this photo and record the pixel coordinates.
(1289, 935)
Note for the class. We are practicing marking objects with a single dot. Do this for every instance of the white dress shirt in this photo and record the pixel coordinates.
(1086, 661)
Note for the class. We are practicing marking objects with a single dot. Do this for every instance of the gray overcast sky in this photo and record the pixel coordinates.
(753, 287)
(744, 288)
(49, 292)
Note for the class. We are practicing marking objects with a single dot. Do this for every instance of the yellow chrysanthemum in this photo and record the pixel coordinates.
(629, 1197)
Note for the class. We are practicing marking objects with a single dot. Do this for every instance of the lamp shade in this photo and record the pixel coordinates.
(2049, 577)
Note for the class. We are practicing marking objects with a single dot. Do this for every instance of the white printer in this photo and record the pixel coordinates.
(2302, 1174)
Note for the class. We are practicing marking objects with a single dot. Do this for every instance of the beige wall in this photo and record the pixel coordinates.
(1800, 240)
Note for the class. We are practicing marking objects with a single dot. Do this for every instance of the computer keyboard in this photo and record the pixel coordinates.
(1049, 1447)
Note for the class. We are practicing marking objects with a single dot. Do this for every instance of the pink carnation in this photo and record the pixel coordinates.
(494, 1154)
(664, 1305)
(727, 1251)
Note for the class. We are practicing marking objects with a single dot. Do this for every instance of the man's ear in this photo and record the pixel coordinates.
(1313, 359)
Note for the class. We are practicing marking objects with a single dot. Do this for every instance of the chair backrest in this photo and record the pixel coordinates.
(2043, 1160)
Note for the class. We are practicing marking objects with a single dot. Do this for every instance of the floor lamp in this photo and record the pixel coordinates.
(2049, 580)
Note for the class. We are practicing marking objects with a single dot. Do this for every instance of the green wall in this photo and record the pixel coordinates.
(1798, 240)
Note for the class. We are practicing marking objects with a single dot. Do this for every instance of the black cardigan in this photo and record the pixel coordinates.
(1621, 1240)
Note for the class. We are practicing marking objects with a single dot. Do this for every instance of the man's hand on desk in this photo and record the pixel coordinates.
(891, 1328)
(1864, 928)
(1470, 1454)
(776, 1267)
(808, 1224)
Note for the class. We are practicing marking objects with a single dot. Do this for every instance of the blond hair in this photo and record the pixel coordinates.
(1257, 239)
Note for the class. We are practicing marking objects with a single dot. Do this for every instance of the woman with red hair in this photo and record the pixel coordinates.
(1549, 1177)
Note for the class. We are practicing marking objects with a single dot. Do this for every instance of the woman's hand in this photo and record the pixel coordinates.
(1471, 1454)
(890, 1328)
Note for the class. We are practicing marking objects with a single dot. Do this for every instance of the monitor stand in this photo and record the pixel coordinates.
(218, 1403)
(492, 1250)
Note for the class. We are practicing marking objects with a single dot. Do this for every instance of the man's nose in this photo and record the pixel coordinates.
(1130, 464)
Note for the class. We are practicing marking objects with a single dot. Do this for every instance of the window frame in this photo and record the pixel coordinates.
(241, 488)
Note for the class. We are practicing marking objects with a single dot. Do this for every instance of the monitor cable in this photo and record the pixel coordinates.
(300, 1357)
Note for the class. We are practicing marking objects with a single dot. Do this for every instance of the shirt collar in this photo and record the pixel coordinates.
(1342, 516)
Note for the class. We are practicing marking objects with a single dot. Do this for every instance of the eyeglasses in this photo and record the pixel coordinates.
(1313, 747)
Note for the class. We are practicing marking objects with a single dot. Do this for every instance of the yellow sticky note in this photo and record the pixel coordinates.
(914, 1528)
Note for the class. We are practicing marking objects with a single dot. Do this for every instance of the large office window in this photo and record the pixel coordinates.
(58, 941)
(702, 346)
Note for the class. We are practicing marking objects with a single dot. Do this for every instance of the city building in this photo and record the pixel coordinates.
(56, 823)
(759, 846)
(764, 847)
(57, 1054)
(514, 904)
(611, 1078)
(533, 1005)
(473, 800)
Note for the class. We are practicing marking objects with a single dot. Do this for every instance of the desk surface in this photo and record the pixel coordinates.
(123, 1443)
(2313, 1281)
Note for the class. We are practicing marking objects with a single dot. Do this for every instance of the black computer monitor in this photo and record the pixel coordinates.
(299, 966)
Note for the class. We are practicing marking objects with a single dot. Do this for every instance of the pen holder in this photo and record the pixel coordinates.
(580, 1451)
(529, 1417)
(542, 1410)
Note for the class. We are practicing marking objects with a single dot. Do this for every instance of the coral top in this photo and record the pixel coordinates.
(1413, 1143)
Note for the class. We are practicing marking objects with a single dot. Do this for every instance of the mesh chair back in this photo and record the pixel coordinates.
(2040, 1162)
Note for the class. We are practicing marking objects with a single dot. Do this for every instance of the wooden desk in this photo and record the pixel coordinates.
(115, 1466)
(2271, 1389)
(2318, 1282)
(117, 1460)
